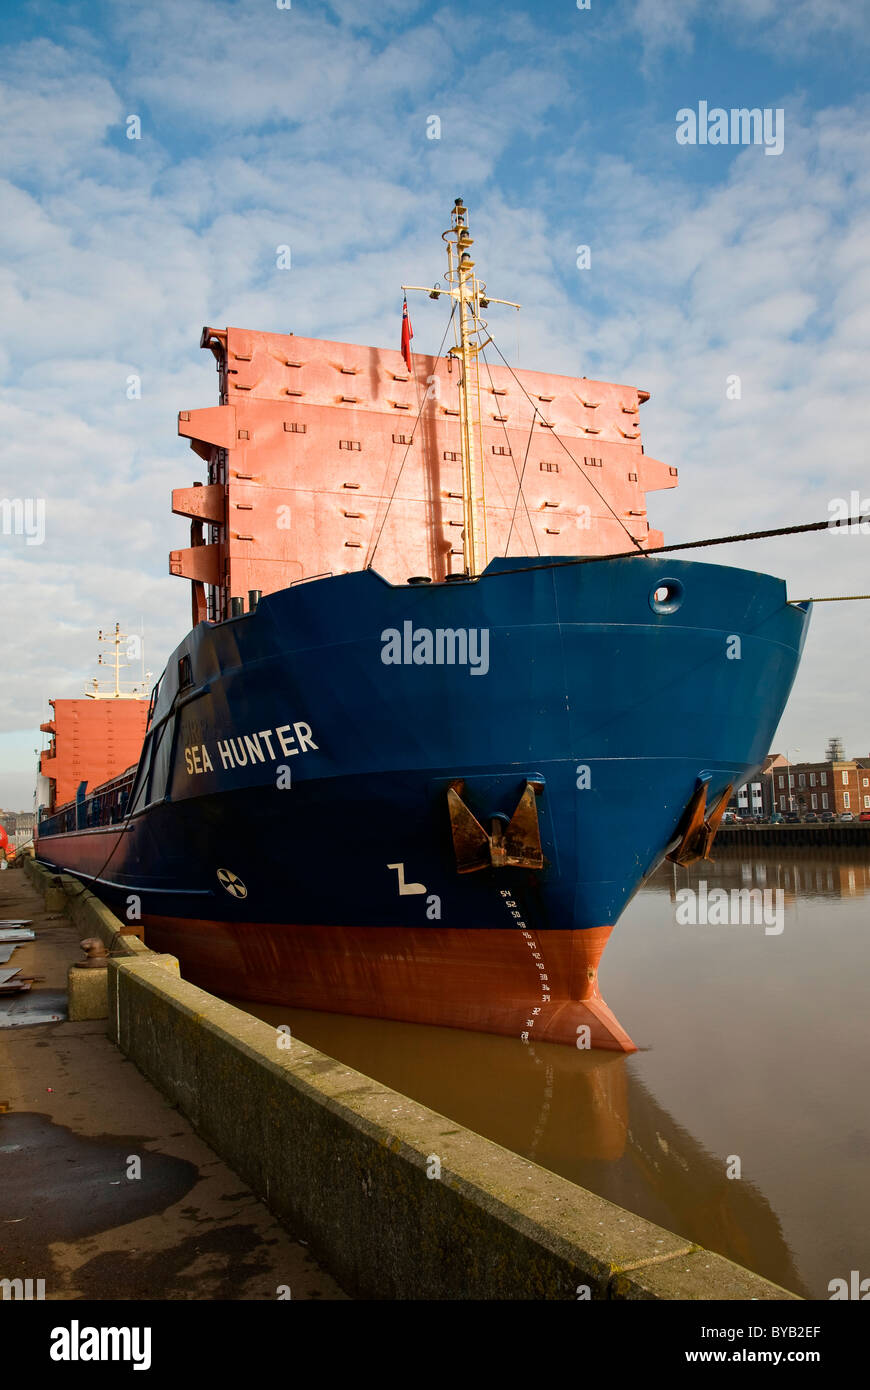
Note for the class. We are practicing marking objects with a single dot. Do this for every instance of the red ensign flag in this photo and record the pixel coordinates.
(407, 335)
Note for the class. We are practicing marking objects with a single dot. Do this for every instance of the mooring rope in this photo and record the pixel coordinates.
(837, 598)
(695, 545)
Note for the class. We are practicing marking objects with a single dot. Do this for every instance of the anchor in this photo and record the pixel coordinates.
(514, 843)
(697, 828)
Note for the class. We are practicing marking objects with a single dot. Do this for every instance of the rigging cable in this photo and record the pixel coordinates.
(371, 554)
(519, 476)
(567, 450)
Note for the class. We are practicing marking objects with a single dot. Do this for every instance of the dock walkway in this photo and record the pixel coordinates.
(75, 1115)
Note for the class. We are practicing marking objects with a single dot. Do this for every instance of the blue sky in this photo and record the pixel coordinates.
(308, 127)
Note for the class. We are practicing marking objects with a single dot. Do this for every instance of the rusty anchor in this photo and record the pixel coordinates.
(698, 826)
(510, 843)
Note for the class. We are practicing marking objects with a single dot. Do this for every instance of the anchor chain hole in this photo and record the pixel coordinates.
(666, 596)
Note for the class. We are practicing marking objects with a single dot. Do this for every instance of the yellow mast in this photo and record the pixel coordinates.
(469, 295)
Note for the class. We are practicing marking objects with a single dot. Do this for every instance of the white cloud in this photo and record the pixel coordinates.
(309, 129)
(797, 29)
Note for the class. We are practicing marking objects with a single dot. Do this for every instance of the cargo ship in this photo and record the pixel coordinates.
(440, 712)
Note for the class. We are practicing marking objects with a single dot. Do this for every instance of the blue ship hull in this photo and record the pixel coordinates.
(289, 834)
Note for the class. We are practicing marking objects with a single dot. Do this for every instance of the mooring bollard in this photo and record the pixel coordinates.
(87, 983)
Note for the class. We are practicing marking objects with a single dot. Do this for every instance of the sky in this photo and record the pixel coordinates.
(309, 125)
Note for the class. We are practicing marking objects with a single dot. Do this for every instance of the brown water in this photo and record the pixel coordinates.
(754, 1046)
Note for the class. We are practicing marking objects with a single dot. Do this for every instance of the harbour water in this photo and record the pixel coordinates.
(742, 1123)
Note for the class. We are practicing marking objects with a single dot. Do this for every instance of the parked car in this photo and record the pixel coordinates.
(776, 818)
(827, 816)
(846, 815)
(792, 818)
(811, 818)
(729, 818)
(865, 815)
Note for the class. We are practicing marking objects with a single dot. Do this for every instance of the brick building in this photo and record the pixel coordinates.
(836, 786)
(822, 786)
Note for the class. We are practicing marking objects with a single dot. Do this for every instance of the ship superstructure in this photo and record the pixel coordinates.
(328, 458)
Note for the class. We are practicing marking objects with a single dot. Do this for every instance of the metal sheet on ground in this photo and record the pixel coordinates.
(48, 1006)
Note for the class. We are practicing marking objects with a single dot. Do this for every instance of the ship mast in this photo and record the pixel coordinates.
(117, 693)
(469, 296)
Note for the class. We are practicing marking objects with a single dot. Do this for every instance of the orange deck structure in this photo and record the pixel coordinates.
(329, 457)
(91, 741)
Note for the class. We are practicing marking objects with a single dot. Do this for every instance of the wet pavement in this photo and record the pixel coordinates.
(106, 1191)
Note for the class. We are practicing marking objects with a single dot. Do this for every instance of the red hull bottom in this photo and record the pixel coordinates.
(537, 987)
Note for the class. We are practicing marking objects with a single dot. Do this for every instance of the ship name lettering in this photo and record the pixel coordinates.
(196, 759)
(302, 733)
(248, 750)
(252, 743)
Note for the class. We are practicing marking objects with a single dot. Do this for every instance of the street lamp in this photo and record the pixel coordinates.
(788, 752)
